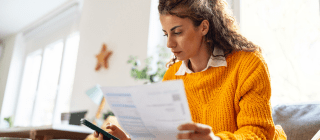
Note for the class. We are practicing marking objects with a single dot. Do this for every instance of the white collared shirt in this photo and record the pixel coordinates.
(217, 61)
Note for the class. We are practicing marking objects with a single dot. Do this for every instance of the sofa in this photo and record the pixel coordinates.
(299, 121)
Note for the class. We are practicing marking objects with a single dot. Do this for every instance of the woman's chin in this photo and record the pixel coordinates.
(181, 58)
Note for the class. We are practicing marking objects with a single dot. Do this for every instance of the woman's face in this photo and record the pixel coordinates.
(183, 38)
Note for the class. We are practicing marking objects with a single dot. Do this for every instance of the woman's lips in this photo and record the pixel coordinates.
(176, 53)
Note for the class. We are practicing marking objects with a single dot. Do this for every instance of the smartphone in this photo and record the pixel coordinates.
(106, 135)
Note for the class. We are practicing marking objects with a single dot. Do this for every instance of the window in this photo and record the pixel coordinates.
(234, 5)
(289, 34)
(28, 88)
(47, 83)
(66, 76)
(156, 40)
(49, 58)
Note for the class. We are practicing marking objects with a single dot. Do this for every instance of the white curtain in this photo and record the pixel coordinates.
(44, 52)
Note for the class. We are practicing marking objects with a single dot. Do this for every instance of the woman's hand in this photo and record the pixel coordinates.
(198, 132)
(115, 131)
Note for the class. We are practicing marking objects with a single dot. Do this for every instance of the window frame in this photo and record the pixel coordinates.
(58, 25)
(41, 51)
(38, 82)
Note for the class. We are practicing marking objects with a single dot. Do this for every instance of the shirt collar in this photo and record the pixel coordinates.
(216, 60)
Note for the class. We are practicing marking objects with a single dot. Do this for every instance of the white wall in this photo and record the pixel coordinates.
(235, 6)
(123, 26)
(289, 35)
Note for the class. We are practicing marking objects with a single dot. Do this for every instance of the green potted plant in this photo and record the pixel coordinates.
(145, 72)
(9, 120)
(106, 115)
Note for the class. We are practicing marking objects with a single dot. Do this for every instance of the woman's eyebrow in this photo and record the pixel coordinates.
(173, 28)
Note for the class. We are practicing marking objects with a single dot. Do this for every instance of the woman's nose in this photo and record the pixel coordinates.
(171, 43)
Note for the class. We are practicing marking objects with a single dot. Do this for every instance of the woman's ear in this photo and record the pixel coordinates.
(205, 27)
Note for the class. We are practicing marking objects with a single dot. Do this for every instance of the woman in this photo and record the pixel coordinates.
(226, 79)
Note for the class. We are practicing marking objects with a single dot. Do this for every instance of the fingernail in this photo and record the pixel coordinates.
(108, 125)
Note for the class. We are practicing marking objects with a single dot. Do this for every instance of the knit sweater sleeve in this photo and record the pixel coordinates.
(252, 101)
(167, 75)
(170, 73)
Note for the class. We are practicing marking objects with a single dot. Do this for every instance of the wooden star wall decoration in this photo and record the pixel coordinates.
(103, 57)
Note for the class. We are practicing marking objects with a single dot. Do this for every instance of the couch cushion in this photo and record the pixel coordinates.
(299, 121)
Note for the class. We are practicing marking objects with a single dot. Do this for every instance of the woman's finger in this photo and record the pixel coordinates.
(96, 134)
(100, 136)
(188, 126)
(116, 131)
(203, 129)
(196, 127)
(111, 126)
(184, 135)
(111, 132)
(199, 137)
(193, 136)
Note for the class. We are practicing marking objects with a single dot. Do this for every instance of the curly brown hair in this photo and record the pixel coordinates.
(224, 32)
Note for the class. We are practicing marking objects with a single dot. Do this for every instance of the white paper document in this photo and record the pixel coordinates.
(151, 111)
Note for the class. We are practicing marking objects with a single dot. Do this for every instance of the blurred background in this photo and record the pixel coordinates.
(48, 51)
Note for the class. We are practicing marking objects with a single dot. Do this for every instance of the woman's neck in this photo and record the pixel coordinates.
(200, 60)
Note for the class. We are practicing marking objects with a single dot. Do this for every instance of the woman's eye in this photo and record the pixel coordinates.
(173, 33)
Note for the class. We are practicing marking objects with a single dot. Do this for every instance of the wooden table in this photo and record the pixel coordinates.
(48, 132)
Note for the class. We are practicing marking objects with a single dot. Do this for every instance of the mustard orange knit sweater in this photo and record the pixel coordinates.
(233, 100)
